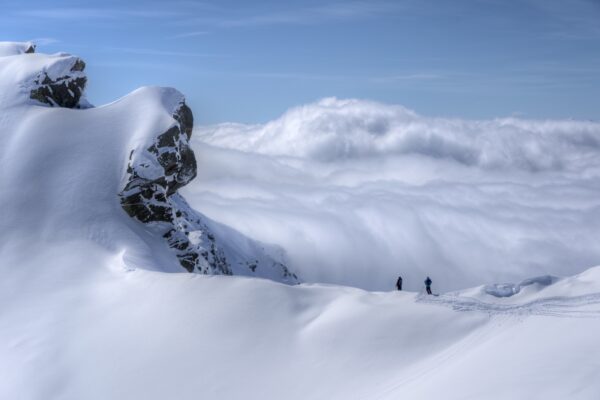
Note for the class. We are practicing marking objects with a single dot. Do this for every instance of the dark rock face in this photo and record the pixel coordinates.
(150, 196)
(146, 195)
(64, 91)
(194, 245)
(155, 173)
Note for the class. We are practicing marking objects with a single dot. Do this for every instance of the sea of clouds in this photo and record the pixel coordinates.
(358, 192)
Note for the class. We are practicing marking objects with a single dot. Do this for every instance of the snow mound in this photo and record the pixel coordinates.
(14, 48)
(546, 286)
(510, 289)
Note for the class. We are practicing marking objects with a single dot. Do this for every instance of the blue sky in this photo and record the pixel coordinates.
(248, 61)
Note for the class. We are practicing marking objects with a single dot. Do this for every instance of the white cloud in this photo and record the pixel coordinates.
(333, 129)
(358, 191)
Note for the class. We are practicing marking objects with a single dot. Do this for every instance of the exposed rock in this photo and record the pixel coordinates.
(79, 65)
(64, 91)
(150, 196)
(146, 195)
(154, 177)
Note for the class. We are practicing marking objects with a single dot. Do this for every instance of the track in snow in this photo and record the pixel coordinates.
(585, 306)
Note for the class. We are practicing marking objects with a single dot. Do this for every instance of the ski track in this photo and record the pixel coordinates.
(584, 306)
(430, 365)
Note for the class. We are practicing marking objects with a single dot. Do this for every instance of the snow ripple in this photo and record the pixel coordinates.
(584, 306)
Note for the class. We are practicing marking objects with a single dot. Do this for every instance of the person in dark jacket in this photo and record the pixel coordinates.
(428, 283)
(399, 283)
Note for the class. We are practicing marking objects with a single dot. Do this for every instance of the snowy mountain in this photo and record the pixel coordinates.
(94, 229)
(75, 163)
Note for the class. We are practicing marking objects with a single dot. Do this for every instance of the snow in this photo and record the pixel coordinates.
(102, 331)
(17, 77)
(510, 289)
(88, 310)
(13, 48)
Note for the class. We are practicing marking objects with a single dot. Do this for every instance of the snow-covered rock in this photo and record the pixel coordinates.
(14, 48)
(63, 89)
(150, 196)
(130, 155)
(54, 80)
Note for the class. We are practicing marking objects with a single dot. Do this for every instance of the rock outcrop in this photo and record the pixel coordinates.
(62, 91)
(154, 177)
(56, 80)
(168, 164)
(154, 174)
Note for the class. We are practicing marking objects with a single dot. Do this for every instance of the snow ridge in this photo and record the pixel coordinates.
(111, 163)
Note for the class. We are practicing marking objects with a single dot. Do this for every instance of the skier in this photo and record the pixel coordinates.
(428, 285)
(399, 283)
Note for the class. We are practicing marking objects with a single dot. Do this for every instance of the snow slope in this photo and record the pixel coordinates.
(87, 310)
(107, 331)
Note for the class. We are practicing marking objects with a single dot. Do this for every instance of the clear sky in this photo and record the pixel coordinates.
(248, 61)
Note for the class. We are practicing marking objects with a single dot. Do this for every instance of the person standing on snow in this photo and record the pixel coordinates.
(399, 283)
(428, 283)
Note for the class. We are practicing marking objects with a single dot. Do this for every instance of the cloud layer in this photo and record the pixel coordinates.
(334, 130)
(358, 192)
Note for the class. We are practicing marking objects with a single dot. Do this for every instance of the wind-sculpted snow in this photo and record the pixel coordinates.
(121, 333)
(542, 295)
(13, 48)
(371, 191)
(510, 289)
(108, 174)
